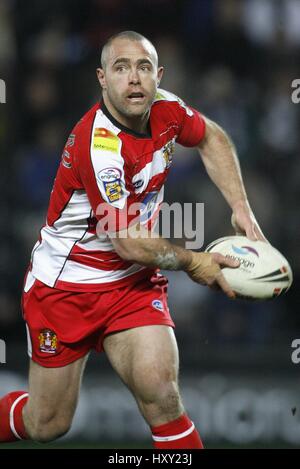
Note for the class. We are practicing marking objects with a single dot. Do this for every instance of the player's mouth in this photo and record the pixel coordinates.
(136, 97)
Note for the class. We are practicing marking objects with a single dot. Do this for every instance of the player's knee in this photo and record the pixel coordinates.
(48, 428)
(163, 402)
(168, 398)
(44, 433)
(162, 393)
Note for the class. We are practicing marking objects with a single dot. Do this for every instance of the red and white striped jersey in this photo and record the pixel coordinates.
(104, 162)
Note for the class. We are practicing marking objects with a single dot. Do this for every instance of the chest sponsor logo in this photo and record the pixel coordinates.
(105, 140)
(111, 180)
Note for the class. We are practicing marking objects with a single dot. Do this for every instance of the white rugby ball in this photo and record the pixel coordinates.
(263, 272)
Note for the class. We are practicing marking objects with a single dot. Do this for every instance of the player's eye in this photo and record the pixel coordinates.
(146, 68)
(120, 68)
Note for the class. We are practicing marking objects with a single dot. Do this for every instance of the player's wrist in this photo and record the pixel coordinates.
(187, 260)
(197, 259)
(202, 269)
(240, 204)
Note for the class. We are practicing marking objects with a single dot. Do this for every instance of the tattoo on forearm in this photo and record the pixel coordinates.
(167, 260)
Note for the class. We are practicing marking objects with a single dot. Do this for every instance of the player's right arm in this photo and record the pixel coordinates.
(204, 268)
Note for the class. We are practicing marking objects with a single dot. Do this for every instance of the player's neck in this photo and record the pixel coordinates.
(139, 124)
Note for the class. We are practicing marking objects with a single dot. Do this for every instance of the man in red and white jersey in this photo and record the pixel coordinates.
(94, 284)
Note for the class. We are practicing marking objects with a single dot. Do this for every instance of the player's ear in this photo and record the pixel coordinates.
(101, 77)
(160, 72)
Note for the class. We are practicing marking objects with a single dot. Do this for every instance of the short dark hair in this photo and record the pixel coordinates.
(131, 35)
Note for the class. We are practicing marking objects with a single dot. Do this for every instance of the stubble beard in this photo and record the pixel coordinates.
(130, 111)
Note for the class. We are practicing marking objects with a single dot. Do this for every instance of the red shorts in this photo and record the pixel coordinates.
(63, 326)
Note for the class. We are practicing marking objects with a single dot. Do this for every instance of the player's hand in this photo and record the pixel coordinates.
(244, 222)
(205, 268)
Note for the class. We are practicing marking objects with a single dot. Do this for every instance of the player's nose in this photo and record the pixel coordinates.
(134, 76)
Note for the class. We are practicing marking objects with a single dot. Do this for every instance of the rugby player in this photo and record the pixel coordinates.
(86, 289)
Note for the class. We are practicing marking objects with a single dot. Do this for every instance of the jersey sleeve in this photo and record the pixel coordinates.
(101, 169)
(192, 125)
(190, 122)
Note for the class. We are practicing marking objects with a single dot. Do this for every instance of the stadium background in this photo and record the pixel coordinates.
(234, 60)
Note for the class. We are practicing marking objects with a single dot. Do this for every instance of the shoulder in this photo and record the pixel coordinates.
(172, 109)
(85, 124)
(165, 100)
(96, 130)
(165, 96)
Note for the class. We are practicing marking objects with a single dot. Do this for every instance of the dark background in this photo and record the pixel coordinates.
(234, 60)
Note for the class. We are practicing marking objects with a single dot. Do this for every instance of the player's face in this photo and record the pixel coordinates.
(130, 79)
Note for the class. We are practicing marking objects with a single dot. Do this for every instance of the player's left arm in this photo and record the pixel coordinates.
(220, 159)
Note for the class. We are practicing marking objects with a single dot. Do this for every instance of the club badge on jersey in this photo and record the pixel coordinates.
(168, 152)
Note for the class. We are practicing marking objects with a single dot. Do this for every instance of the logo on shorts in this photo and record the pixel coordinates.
(157, 304)
(48, 341)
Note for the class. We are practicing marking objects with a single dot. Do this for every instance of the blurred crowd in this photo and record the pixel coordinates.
(233, 60)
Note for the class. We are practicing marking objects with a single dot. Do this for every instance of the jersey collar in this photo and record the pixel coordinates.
(121, 126)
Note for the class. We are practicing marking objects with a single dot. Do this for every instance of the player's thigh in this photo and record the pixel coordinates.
(144, 357)
(54, 391)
